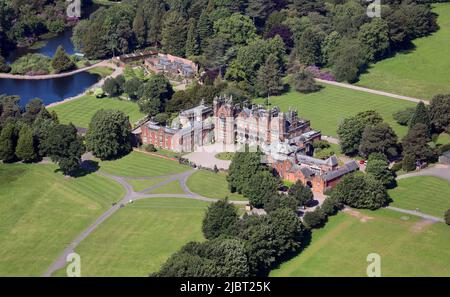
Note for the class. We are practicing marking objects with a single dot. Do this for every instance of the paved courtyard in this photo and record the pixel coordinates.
(205, 156)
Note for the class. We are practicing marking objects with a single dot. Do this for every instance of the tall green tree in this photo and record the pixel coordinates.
(140, 27)
(415, 143)
(259, 10)
(379, 138)
(440, 112)
(7, 143)
(379, 169)
(219, 219)
(131, 87)
(154, 95)
(309, 47)
(25, 149)
(243, 166)
(109, 134)
(174, 33)
(304, 81)
(361, 190)
(32, 109)
(375, 37)
(301, 193)
(9, 108)
(237, 29)
(193, 39)
(111, 87)
(351, 129)
(420, 116)
(260, 187)
(347, 60)
(269, 79)
(220, 257)
(61, 61)
(65, 147)
(204, 29)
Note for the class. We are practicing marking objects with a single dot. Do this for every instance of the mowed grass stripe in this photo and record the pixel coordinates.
(139, 238)
(212, 185)
(42, 211)
(421, 72)
(138, 164)
(80, 111)
(140, 185)
(327, 108)
(407, 247)
(430, 194)
(170, 188)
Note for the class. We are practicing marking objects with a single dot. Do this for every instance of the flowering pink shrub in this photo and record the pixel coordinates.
(325, 75)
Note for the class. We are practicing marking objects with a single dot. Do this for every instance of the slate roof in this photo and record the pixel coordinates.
(349, 167)
(304, 159)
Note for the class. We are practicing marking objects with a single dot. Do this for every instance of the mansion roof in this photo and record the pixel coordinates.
(349, 167)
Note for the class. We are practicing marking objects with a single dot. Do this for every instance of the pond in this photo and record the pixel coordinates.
(49, 90)
(48, 49)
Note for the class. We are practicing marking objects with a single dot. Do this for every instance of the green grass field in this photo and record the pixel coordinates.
(42, 211)
(328, 107)
(430, 194)
(212, 185)
(407, 247)
(138, 239)
(102, 71)
(138, 164)
(170, 188)
(140, 185)
(422, 72)
(81, 110)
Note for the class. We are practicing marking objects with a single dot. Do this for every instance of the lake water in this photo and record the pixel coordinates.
(49, 90)
(48, 49)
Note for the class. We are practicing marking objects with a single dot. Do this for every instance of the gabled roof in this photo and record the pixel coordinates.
(304, 159)
(349, 167)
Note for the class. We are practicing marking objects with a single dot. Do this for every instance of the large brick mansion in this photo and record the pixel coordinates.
(286, 139)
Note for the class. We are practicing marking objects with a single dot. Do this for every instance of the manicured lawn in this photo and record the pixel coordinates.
(140, 185)
(422, 72)
(212, 185)
(430, 194)
(170, 188)
(81, 110)
(137, 239)
(407, 247)
(102, 71)
(42, 211)
(138, 164)
(328, 107)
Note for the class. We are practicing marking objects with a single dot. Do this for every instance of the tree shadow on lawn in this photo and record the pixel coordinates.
(87, 167)
(404, 50)
(305, 242)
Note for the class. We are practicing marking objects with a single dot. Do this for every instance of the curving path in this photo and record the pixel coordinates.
(129, 197)
(376, 92)
(104, 63)
(440, 171)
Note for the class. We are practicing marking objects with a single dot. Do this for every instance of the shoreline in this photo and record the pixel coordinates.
(117, 71)
(52, 76)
